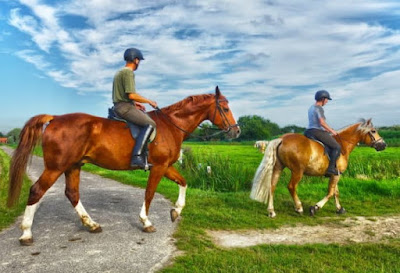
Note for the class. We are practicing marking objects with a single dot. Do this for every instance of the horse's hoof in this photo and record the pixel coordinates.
(26, 242)
(96, 230)
(174, 215)
(149, 229)
(313, 210)
(341, 211)
(272, 214)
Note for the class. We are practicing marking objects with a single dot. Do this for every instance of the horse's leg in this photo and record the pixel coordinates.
(72, 192)
(156, 173)
(45, 181)
(331, 191)
(175, 176)
(339, 208)
(274, 181)
(292, 186)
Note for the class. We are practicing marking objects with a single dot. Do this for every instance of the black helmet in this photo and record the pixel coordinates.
(321, 94)
(132, 53)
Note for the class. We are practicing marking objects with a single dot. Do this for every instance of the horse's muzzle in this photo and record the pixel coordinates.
(234, 132)
(379, 145)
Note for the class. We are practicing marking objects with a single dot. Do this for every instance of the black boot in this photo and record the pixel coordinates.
(332, 170)
(139, 153)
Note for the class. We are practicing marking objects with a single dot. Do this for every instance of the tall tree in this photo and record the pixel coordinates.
(256, 128)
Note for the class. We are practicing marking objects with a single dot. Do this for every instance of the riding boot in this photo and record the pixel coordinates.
(332, 170)
(139, 153)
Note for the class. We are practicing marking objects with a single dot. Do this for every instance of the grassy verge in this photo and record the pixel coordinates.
(8, 215)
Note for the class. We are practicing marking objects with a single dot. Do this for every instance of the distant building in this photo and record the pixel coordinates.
(3, 140)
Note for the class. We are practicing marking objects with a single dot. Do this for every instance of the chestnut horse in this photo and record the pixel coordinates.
(305, 156)
(71, 140)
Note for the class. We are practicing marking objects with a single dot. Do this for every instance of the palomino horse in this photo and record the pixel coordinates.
(71, 140)
(304, 156)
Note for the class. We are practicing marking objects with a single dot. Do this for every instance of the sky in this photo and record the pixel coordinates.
(267, 57)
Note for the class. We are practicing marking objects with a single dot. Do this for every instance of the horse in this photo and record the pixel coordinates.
(303, 156)
(261, 145)
(72, 140)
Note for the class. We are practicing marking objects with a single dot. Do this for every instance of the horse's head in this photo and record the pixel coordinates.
(221, 115)
(370, 136)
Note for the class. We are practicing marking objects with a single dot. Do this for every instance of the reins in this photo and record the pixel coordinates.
(223, 116)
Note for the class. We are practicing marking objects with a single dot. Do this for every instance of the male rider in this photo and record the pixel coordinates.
(128, 105)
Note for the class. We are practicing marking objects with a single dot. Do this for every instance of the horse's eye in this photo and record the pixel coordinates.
(373, 131)
(226, 110)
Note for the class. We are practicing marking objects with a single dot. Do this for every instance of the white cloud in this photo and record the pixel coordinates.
(260, 53)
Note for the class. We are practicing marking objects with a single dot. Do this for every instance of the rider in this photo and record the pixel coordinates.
(128, 105)
(319, 129)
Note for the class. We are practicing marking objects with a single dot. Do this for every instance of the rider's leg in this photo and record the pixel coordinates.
(335, 148)
(139, 152)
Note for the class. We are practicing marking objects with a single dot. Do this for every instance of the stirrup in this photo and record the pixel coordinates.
(141, 162)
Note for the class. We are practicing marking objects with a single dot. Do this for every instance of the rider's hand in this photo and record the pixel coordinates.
(153, 104)
(334, 133)
(140, 106)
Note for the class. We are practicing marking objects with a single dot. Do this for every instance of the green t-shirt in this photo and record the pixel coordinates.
(123, 84)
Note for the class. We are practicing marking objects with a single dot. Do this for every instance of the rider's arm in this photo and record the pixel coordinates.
(139, 98)
(326, 126)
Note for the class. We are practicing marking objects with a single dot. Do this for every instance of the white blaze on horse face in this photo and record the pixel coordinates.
(27, 221)
(143, 216)
(86, 220)
(180, 203)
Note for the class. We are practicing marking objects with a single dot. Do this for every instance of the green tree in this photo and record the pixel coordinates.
(256, 128)
(13, 135)
(292, 129)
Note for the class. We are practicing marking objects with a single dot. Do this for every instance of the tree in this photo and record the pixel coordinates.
(292, 129)
(13, 135)
(255, 127)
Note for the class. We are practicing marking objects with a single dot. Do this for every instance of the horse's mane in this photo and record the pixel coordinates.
(363, 126)
(196, 99)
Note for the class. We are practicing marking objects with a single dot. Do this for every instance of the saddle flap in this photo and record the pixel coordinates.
(134, 128)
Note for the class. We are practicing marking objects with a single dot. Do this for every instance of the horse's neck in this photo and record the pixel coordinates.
(188, 118)
(349, 139)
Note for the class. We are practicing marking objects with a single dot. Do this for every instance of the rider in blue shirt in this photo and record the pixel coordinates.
(320, 130)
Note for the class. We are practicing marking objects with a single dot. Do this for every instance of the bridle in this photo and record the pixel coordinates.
(225, 120)
(373, 140)
(218, 107)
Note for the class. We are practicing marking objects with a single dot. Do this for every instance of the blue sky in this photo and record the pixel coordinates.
(268, 57)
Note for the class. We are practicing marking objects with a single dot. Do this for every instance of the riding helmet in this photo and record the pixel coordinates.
(321, 94)
(132, 53)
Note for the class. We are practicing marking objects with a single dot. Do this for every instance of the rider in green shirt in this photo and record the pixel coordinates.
(128, 105)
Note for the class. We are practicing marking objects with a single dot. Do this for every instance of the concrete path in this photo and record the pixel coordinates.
(62, 244)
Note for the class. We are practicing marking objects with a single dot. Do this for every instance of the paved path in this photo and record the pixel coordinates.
(62, 244)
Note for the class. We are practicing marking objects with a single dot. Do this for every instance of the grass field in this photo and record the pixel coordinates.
(216, 205)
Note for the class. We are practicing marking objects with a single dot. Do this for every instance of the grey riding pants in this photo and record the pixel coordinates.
(129, 112)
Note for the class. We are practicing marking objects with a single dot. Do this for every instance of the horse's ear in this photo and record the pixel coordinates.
(368, 123)
(217, 92)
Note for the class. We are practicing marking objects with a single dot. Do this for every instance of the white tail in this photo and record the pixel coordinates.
(261, 189)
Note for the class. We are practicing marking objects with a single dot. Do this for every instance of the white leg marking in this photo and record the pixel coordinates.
(321, 203)
(27, 221)
(180, 203)
(143, 216)
(85, 218)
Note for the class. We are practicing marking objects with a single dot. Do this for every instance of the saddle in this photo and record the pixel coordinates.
(327, 150)
(134, 128)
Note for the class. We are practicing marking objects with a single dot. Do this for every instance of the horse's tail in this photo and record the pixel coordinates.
(30, 136)
(261, 189)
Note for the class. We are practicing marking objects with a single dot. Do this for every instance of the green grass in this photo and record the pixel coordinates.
(233, 210)
(8, 215)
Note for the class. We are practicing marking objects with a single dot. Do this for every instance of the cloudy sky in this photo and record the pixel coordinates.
(268, 57)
